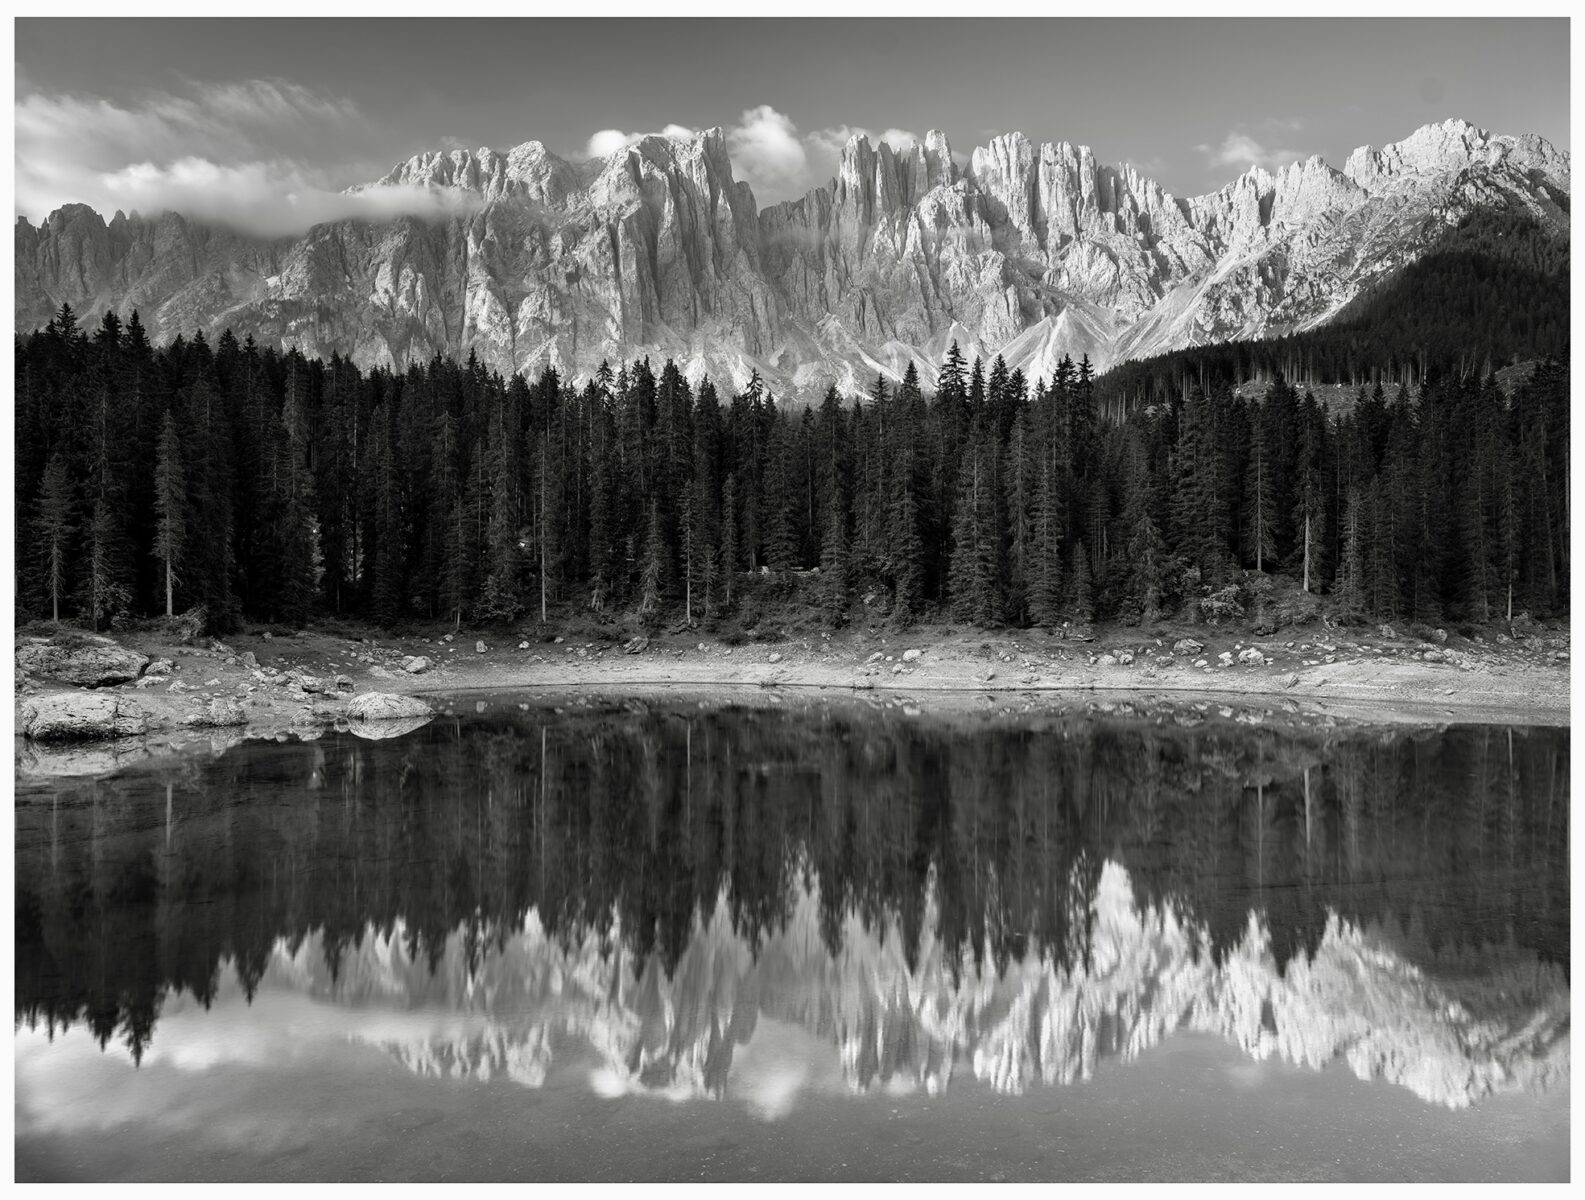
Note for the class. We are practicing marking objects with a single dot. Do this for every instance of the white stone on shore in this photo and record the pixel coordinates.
(72, 716)
(386, 706)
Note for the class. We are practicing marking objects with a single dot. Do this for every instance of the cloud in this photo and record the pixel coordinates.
(240, 154)
(608, 141)
(767, 150)
(1238, 149)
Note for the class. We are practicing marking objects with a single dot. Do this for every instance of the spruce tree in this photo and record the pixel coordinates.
(1260, 523)
(652, 580)
(834, 565)
(170, 506)
(54, 529)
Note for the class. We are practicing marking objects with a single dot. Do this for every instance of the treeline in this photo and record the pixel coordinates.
(1493, 291)
(267, 485)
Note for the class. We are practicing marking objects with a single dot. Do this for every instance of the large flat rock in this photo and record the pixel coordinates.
(85, 661)
(75, 717)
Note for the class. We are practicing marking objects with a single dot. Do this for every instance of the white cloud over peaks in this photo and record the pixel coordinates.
(1238, 149)
(768, 151)
(609, 141)
(243, 154)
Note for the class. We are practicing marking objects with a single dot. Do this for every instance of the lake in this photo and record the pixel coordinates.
(563, 938)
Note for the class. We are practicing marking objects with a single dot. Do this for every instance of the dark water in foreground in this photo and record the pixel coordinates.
(628, 940)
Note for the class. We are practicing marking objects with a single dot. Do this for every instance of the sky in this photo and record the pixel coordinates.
(263, 122)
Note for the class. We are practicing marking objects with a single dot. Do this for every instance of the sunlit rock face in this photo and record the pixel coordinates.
(1450, 1028)
(1033, 251)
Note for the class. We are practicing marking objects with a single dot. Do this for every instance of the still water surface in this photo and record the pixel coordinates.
(615, 939)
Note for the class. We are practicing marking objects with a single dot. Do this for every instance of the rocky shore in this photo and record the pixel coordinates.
(84, 701)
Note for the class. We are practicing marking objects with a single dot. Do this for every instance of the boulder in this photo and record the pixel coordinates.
(311, 684)
(1125, 657)
(774, 657)
(73, 717)
(636, 645)
(217, 714)
(1187, 646)
(480, 647)
(84, 661)
(1107, 660)
(160, 666)
(386, 706)
(1252, 657)
(391, 727)
(912, 655)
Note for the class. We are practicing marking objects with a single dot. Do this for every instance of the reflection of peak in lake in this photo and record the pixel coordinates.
(624, 827)
(901, 1021)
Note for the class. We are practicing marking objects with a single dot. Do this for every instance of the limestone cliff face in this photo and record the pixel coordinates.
(1031, 251)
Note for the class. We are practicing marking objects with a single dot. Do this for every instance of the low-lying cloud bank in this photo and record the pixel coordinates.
(239, 155)
(251, 156)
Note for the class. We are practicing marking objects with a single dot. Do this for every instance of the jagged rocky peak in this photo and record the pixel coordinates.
(1031, 250)
(1453, 145)
(528, 170)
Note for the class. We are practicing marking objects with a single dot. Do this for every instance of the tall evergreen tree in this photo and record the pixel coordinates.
(170, 505)
(54, 530)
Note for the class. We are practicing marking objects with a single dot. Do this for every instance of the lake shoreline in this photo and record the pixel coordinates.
(215, 692)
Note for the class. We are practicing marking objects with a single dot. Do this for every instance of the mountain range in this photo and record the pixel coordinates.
(1031, 251)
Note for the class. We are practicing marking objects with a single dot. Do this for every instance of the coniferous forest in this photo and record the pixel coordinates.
(267, 486)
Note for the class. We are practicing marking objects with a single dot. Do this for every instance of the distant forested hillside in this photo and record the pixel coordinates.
(274, 487)
(1495, 290)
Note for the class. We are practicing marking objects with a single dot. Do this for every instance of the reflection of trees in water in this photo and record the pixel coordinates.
(129, 886)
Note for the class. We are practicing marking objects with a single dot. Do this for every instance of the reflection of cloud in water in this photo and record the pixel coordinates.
(760, 1023)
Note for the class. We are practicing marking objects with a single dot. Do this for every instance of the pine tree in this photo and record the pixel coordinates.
(1260, 525)
(1050, 523)
(652, 583)
(834, 565)
(170, 505)
(973, 572)
(1147, 552)
(388, 530)
(502, 598)
(298, 531)
(447, 521)
(905, 559)
(54, 526)
(1351, 570)
(1082, 601)
(731, 552)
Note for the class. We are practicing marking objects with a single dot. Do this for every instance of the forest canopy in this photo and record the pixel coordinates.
(269, 486)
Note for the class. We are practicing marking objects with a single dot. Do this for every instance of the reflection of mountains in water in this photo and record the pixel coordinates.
(1451, 1036)
(900, 888)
